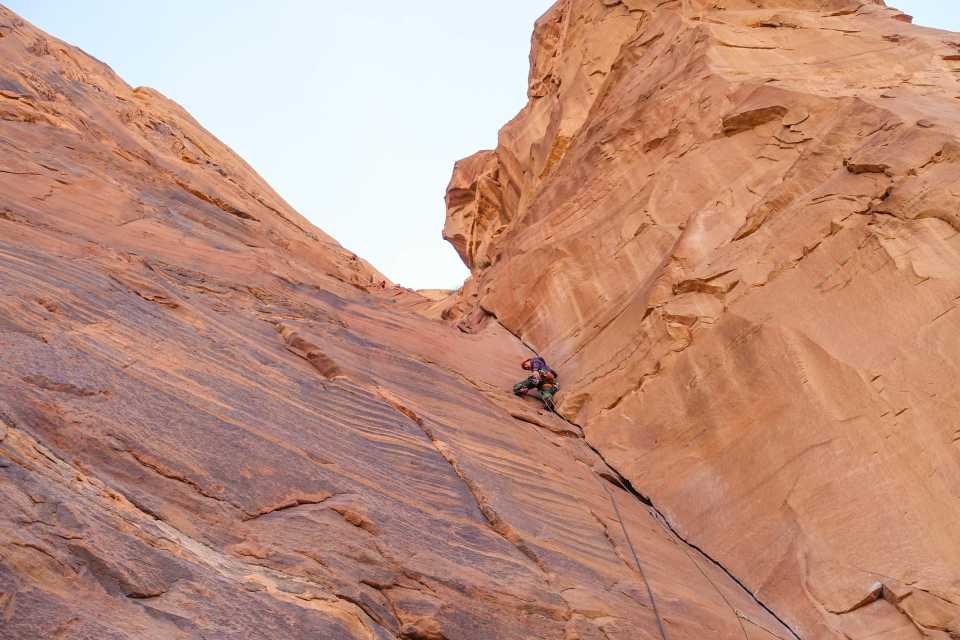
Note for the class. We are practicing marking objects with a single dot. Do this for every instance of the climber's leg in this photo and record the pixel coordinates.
(547, 391)
(522, 387)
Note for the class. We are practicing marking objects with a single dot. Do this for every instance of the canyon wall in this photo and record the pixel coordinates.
(218, 424)
(733, 227)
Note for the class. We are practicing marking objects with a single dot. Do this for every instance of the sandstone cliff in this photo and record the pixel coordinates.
(733, 226)
(730, 226)
(216, 423)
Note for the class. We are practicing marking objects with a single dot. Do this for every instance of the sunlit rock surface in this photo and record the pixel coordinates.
(216, 423)
(733, 226)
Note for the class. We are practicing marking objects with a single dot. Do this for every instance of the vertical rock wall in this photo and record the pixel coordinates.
(216, 423)
(733, 227)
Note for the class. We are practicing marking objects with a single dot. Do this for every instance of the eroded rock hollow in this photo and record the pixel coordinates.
(732, 226)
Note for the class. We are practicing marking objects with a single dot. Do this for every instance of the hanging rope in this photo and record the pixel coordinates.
(653, 602)
(551, 407)
(736, 612)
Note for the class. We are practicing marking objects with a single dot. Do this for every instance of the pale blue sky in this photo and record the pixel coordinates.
(353, 111)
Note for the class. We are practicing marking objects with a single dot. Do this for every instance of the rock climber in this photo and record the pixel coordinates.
(543, 379)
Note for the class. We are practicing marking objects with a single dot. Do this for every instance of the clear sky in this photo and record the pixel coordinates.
(942, 14)
(353, 111)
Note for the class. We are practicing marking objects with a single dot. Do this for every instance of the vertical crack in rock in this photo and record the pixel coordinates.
(618, 480)
(622, 483)
(688, 184)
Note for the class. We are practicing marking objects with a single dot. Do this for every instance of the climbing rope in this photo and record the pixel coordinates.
(735, 611)
(551, 407)
(616, 509)
(653, 601)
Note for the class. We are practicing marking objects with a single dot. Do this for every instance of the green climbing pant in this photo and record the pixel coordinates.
(547, 389)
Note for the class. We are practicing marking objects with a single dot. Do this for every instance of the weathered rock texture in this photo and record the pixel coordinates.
(734, 227)
(216, 423)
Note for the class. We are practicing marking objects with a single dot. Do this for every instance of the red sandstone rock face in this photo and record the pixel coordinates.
(217, 423)
(733, 227)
